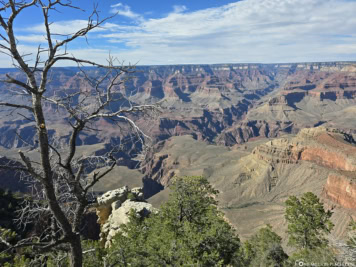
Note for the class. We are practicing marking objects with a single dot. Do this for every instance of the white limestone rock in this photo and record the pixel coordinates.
(113, 209)
(114, 195)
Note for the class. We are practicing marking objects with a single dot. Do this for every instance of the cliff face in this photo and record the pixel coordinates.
(323, 84)
(341, 189)
(226, 120)
(332, 150)
(244, 131)
(228, 103)
(329, 148)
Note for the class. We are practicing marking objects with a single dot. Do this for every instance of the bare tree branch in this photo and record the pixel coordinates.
(16, 106)
(17, 82)
(61, 179)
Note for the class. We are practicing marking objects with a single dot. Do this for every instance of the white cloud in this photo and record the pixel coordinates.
(97, 55)
(125, 10)
(63, 27)
(245, 31)
(179, 9)
(32, 38)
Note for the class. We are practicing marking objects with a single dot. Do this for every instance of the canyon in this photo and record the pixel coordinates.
(258, 132)
(226, 104)
(255, 179)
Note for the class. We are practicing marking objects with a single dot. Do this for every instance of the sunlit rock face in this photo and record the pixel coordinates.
(323, 146)
(113, 209)
(341, 189)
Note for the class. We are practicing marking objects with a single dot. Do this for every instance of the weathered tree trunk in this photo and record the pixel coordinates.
(59, 171)
(75, 254)
(76, 257)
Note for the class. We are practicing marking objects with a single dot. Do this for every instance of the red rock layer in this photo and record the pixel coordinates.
(341, 190)
(329, 159)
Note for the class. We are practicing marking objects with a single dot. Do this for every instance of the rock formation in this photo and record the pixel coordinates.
(341, 189)
(227, 103)
(329, 148)
(113, 209)
(326, 147)
(256, 178)
(244, 131)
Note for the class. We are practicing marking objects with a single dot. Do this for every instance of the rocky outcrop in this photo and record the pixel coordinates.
(279, 151)
(341, 189)
(104, 207)
(120, 215)
(244, 131)
(325, 84)
(327, 147)
(331, 149)
(114, 207)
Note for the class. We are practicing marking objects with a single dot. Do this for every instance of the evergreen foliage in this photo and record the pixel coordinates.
(321, 256)
(352, 234)
(264, 249)
(189, 230)
(9, 204)
(308, 222)
(350, 255)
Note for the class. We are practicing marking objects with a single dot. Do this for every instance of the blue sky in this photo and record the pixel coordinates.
(203, 31)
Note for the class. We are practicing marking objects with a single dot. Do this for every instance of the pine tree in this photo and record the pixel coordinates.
(308, 221)
(188, 230)
(264, 249)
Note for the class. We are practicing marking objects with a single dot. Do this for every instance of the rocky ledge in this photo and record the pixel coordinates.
(341, 189)
(327, 147)
(113, 209)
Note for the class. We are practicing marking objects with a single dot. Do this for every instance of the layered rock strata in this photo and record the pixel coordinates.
(314, 152)
(210, 102)
(341, 189)
(327, 147)
(256, 178)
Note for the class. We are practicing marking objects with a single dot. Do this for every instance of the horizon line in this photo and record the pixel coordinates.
(211, 64)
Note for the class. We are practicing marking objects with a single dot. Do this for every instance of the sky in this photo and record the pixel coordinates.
(152, 32)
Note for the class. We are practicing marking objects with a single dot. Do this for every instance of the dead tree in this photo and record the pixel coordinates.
(61, 182)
